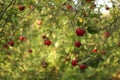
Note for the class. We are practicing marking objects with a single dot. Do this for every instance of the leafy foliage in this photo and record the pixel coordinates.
(37, 40)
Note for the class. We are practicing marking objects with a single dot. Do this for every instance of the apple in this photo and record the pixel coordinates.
(77, 44)
(39, 22)
(107, 8)
(82, 66)
(30, 51)
(11, 43)
(47, 42)
(107, 34)
(94, 50)
(21, 38)
(21, 7)
(74, 62)
(68, 6)
(44, 37)
(80, 32)
(5, 46)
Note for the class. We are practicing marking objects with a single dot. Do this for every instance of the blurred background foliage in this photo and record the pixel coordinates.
(57, 20)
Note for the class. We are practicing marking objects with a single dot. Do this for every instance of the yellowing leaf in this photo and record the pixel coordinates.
(80, 20)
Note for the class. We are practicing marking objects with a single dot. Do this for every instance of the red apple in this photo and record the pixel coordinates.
(107, 8)
(68, 6)
(74, 62)
(11, 43)
(47, 42)
(21, 38)
(82, 66)
(39, 22)
(21, 7)
(80, 32)
(107, 34)
(77, 44)
(30, 51)
(94, 50)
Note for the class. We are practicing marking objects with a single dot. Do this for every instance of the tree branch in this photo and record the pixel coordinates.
(1, 15)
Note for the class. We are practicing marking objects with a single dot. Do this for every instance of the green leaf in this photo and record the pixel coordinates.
(78, 23)
(92, 30)
(94, 15)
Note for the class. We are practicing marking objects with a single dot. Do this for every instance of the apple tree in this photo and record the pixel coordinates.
(59, 40)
